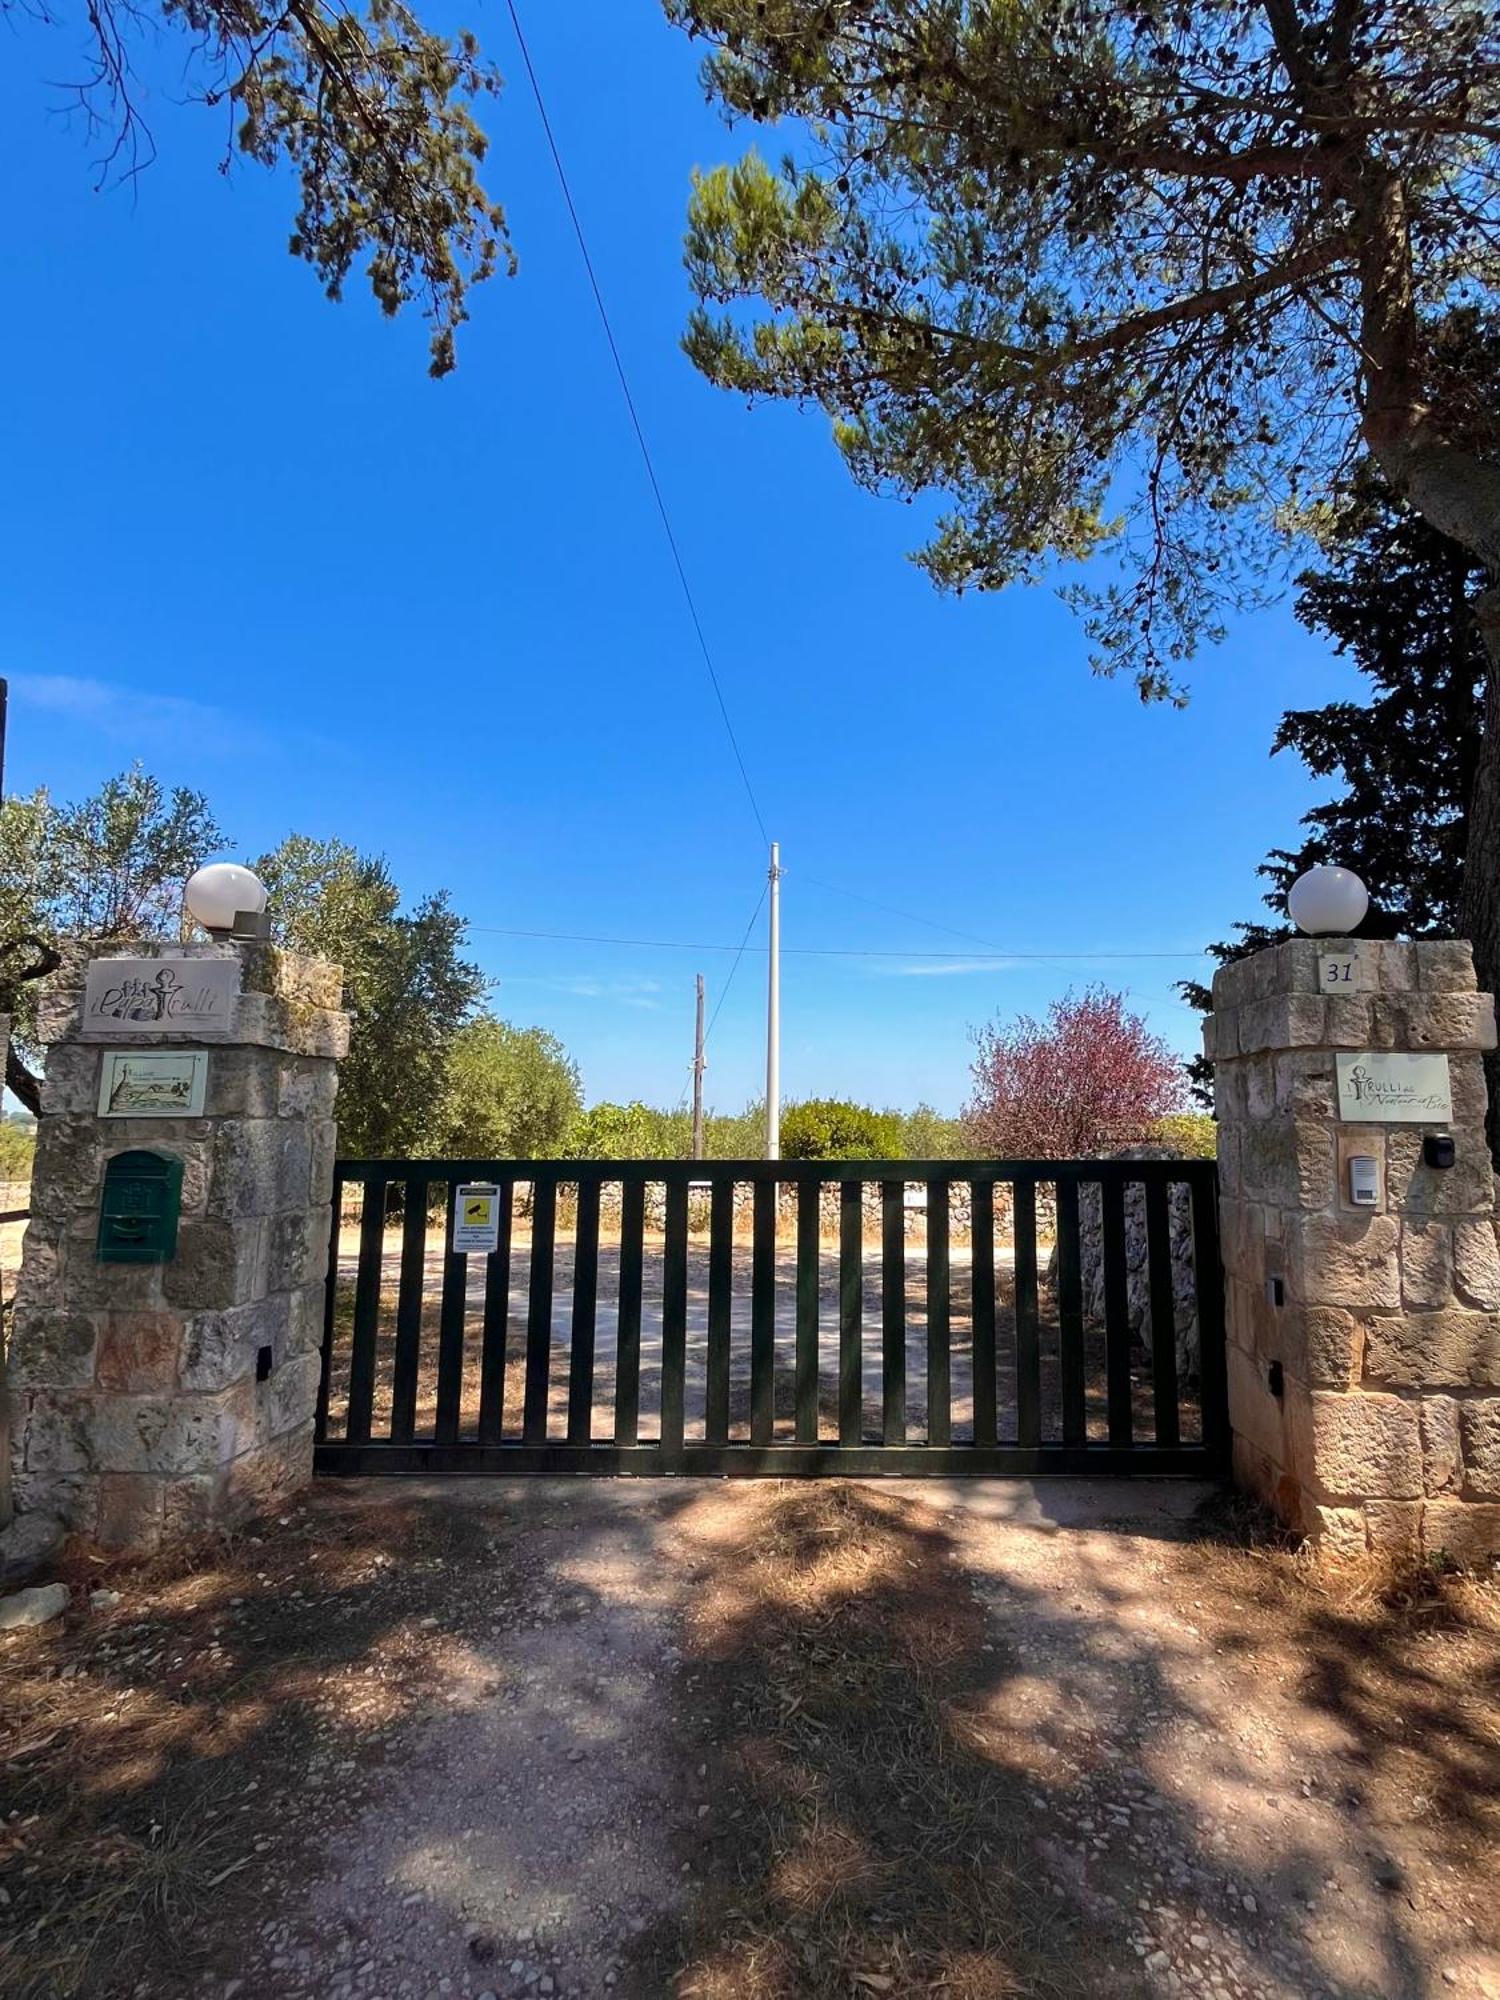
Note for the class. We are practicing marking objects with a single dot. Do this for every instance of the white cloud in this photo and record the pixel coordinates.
(134, 716)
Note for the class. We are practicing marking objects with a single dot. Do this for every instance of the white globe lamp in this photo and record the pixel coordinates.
(228, 900)
(1328, 902)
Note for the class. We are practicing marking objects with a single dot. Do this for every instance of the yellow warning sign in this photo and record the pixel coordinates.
(476, 1219)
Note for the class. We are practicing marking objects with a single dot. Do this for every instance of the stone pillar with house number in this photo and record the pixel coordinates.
(1359, 1232)
(168, 1319)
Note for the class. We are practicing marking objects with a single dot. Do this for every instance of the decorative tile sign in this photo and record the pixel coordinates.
(153, 1083)
(183, 996)
(1336, 972)
(1394, 1090)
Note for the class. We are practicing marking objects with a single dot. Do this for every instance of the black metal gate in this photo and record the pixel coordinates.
(776, 1318)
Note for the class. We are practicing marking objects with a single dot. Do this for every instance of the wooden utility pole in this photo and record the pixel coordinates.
(698, 1068)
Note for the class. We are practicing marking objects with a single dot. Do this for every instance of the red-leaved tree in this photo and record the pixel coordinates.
(1089, 1078)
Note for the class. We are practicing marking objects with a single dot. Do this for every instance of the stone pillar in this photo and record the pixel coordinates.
(153, 1400)
(1364, 1341)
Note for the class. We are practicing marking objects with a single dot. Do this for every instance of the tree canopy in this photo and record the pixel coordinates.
(1089, 1078)
(109, 868)
(512, 1093)
(373, 113)
(405, 982)
(1131, 281)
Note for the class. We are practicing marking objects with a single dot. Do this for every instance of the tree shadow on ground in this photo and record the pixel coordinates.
(914, 1791)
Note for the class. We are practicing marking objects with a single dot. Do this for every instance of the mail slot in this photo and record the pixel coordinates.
(138, 1215)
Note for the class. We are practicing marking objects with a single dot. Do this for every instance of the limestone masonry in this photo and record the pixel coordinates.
(152, 1400)
(1364, 1342)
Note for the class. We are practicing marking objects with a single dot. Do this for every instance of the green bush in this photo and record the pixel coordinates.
(17, 1144)
(831, 1128)
(1192, 1135)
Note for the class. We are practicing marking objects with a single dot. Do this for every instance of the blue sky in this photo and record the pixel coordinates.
(247, 540)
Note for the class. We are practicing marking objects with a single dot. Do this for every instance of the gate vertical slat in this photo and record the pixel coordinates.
(939, 1319)
(1163, 1313)
(413, 1282)
(330, 1309)
(585, 1314)
(982, 1306)
(809, 1230)
(494, 1334)
(763, 1313)
(539, 1311)
(1070, 1316)
(674, 1319)
(1116, 1311)
(628, 1326)
(1028, 1329)
(450, 1375)
(851, 1313)
(1208, 1279)
(720, 1298)
(892, 1313)
(366, 1314)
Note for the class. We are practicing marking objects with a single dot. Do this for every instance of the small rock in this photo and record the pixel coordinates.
(38, 1606)
(1249, 1903)
(103, 1600)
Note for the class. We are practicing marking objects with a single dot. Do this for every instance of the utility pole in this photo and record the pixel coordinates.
(773, 1015)
(698, 1069)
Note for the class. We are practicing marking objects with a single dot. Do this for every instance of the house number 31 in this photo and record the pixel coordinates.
(1336, 971)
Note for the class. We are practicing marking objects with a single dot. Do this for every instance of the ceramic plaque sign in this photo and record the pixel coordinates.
(153, 1083)
(182, 996)
(1336, 971)
(1375, 1088)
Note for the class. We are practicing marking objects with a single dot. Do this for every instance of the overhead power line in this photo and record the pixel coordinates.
(825, 951)
(635, 421)
(744, 945)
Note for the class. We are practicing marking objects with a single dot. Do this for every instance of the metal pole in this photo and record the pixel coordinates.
(4, 716)
(773, 1015)
(698, 1067)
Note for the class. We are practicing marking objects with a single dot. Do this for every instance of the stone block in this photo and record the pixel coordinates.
(1476, 1265)
(1361, 1447)
(1443, 1020)
(1479, 1423)
(1284, 1021)
(1254, 1413)
(298, 1249)
(1345, 1260)
(244, 1083)
(130, 1512)
(261, 1166)
(1395, 964)
(1470, 1092)
(1442, 1451)
(138, 1353)
(289, 1399)
(1450, 1348)
(1350, 1022)
(51, 1348)
(1220, 1038)
(1466, 1188)
(1338, 1531)
(219, 1263)
(70, 1083)
(307, 1090)
(1230, 1091)
(265, 1478)
(1260, 1086)
(1426, 1263)
(1242, 1241)
(1323, 1346)
(220, 1348)
(1288, 1161)
(305, 1307)
(1394, 1527)
(94, 1287)
(1289, 967)
(1232, 986)
(67, 1168)
(1466, 1531)
(1444, 965)
(191, 1506)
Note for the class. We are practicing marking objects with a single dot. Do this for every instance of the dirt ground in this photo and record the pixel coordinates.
(741, 1741)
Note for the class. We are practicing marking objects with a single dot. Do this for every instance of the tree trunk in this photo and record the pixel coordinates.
(1479, 906)
(21, 1084)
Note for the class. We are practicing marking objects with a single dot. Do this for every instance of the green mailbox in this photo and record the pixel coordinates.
(138, 1215)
